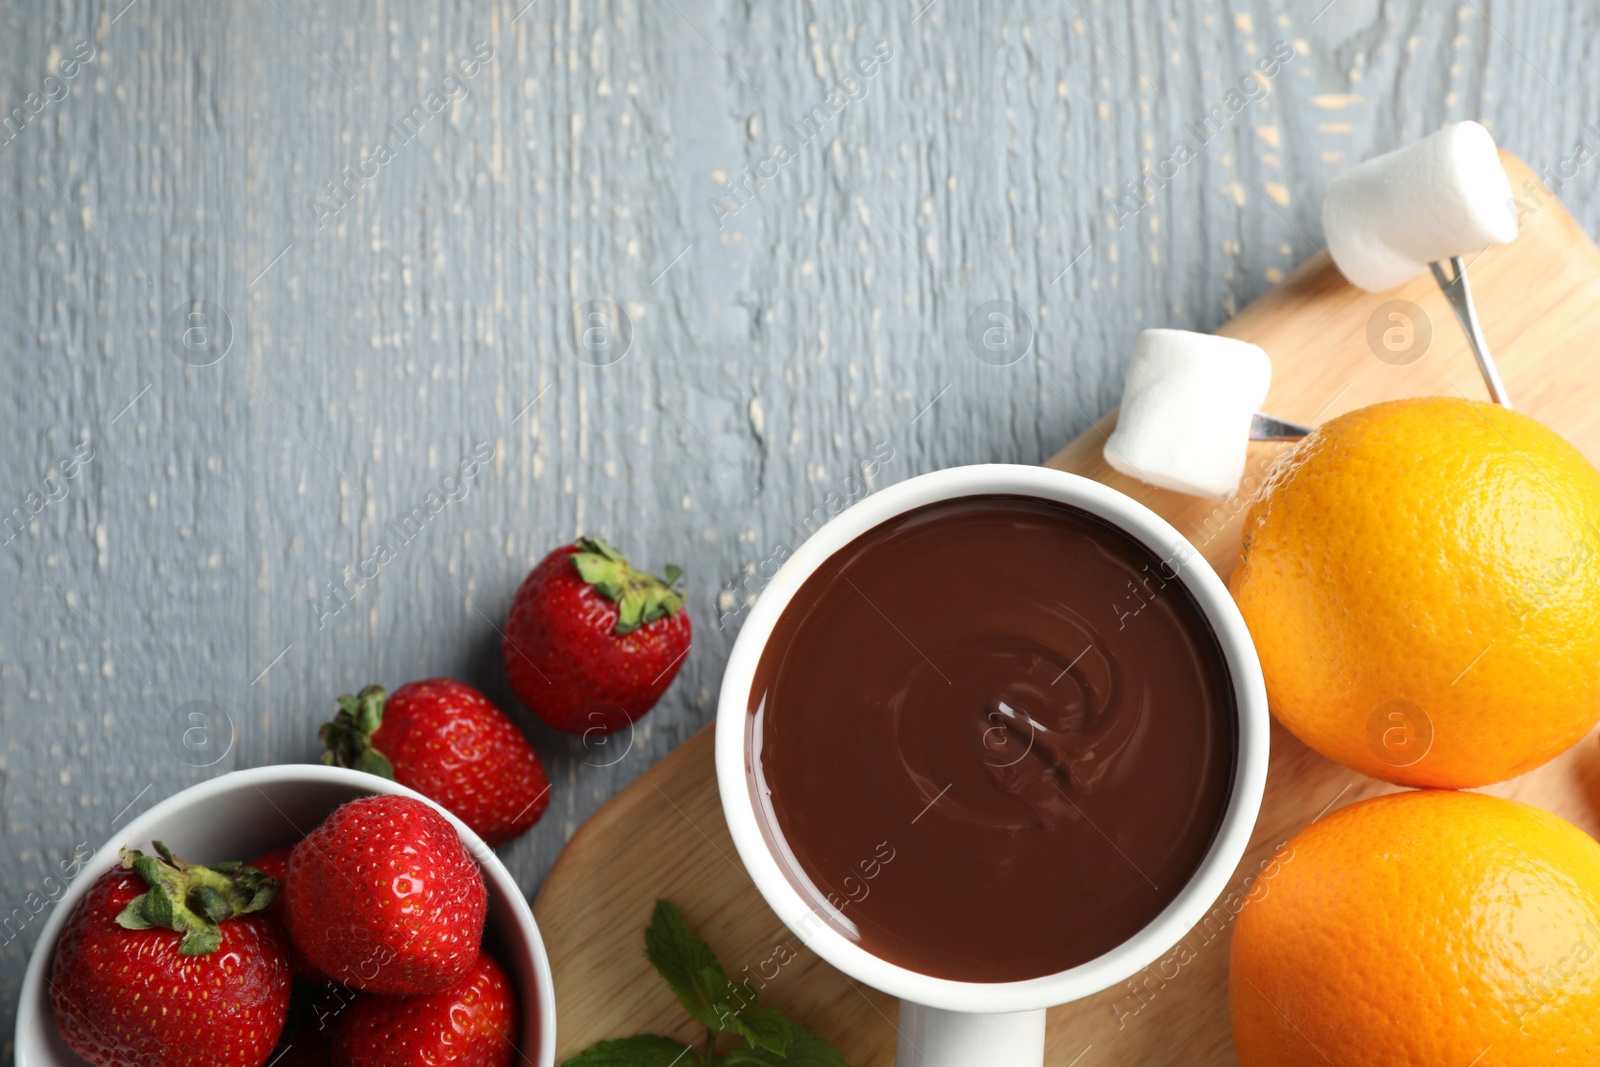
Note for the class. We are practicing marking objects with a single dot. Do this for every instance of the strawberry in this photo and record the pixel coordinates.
(165, 964)
(275, 864)
(445, 740)
(384, 897)
(590, 643)
(472, 1024)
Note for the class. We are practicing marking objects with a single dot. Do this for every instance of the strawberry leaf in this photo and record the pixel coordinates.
(210, 903)
(608, 577)
(131, 917)
(643, 1050)
(630, 611)
(682, 960)
(190, 899)
(347, 740)
(640, 598)
(597, 546)
(374, 762)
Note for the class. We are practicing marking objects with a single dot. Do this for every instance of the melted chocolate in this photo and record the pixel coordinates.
(992, 738)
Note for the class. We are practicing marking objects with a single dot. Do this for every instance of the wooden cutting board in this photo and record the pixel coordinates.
(664, 836)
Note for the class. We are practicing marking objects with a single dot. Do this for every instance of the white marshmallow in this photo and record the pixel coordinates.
(1447, 195)
(1186, 410)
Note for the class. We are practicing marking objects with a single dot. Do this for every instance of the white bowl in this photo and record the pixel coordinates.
(243, 814)
(1144, 947)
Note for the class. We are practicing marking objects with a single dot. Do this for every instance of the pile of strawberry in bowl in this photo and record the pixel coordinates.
(353, 912)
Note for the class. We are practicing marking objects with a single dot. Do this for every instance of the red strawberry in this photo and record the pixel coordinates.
(590, 643)
(162, 964)
(445, 740)
(384, 897)
(275, 864)
(472, 1024)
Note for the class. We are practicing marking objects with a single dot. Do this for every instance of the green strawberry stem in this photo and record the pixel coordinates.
(191, 899)
(347, 740)
(641, 598)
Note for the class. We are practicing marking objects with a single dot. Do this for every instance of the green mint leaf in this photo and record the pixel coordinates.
(808, 1050)
(719, 988)
(643, 1050)
(805, 1049)
(682, 959)
(764, 1028)
(729, 999)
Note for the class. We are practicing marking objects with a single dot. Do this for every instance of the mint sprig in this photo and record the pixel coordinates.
(643, 1050)
(690, 968)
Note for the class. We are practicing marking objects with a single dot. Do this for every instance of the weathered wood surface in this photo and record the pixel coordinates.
(356, 353)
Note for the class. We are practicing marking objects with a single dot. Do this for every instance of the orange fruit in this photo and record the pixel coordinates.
(1422, 581)
(1423, 928)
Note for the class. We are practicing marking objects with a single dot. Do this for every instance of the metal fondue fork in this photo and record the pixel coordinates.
(1459, 293)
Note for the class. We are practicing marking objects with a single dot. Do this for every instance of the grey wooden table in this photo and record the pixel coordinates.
(272, 270)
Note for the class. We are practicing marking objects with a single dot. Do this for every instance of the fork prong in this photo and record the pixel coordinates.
(1270, 428)
(1458, 291)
